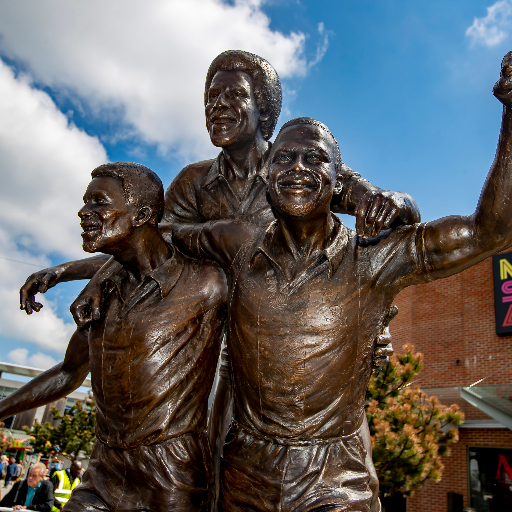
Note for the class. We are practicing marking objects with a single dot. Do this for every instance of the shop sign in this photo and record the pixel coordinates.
(502, 271)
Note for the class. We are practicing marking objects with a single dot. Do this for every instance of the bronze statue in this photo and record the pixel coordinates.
(242, 105)
(152, 355)
(307, 297)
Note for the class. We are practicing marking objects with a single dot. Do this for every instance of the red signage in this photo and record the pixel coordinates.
(502, 270)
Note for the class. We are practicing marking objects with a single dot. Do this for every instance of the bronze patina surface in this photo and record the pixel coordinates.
(151, 356)
(307, 300)
(242, 105)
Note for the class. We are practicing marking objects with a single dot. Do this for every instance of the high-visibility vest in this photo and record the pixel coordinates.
(64, 489)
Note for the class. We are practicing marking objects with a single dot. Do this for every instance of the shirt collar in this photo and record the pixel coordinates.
(218, 168)
(333, 252)
(166, 275)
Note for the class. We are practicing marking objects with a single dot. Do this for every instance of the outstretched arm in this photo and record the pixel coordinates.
(47, 278)
(55, 383)
(453, 244)
(375, 209)
(218, 240)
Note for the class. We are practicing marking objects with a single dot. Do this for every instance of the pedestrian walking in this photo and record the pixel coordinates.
(11, 471)
(3, 466)
(19, 469)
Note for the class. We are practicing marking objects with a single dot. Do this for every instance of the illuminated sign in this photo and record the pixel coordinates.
(502, 270)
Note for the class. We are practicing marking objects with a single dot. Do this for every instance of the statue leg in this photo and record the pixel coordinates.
(85, 501)
(374, 480)
(173, 475)
(272, 475)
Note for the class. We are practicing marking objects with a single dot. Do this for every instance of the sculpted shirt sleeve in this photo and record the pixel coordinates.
(396, 259)
(181, 198)
(218, 240)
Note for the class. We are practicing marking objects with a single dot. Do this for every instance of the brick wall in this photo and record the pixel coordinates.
(453, 319)
(448, 320)
(433, 497)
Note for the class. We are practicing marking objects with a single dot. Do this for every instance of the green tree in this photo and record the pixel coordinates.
(410, 430)
(5, 442)
(41, 433)
(75, 431)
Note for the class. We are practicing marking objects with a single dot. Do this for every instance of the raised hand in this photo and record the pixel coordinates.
(378, 209)
(503, 87)
(86, 307)
(38, 282)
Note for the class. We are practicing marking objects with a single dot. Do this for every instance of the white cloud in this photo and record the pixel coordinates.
(45, 329)
(321, 49)
(46, 164)
(38, 360)
(145, 61)
(140, 64)
(494, 28)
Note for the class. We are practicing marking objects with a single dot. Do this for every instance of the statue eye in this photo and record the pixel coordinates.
(282, 158)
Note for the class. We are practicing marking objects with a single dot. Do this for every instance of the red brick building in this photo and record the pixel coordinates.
(452, 321)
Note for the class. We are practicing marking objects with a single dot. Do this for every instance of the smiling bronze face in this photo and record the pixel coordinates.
(302, 174)
(105, 218)
(232, 115)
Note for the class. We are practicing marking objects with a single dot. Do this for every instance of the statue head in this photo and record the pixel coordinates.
(122, 197)
(305, 168)
(242, 95)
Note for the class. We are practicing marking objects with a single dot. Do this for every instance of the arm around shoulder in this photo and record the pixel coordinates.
(218, 240)
(180, 197)
(375, 209)
(43, 280)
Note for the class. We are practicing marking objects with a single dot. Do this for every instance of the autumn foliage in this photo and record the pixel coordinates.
(410, 430)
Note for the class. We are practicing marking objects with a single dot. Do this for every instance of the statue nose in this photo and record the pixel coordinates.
(298, 166)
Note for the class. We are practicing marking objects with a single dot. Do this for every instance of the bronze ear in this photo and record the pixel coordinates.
(143, 215)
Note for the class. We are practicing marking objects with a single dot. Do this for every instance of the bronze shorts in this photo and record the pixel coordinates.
(275, 475)
(173, 475)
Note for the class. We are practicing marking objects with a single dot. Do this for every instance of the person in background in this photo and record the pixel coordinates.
(34, 493)
(11, 471)
(19, 469)
(55, 465)
(64, 481)
(4, 462)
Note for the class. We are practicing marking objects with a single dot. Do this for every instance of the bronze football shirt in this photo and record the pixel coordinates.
(301, 350)
(153, 354)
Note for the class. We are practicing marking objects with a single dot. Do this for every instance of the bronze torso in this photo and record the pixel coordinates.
(153, 356)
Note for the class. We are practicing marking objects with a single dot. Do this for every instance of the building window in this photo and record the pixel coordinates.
(490, 479)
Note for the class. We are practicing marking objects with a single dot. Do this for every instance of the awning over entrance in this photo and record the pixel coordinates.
(495, 401)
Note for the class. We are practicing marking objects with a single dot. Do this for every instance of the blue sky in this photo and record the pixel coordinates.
(404, 86)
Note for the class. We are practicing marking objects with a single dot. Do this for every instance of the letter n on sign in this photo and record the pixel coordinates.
(502, 271)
